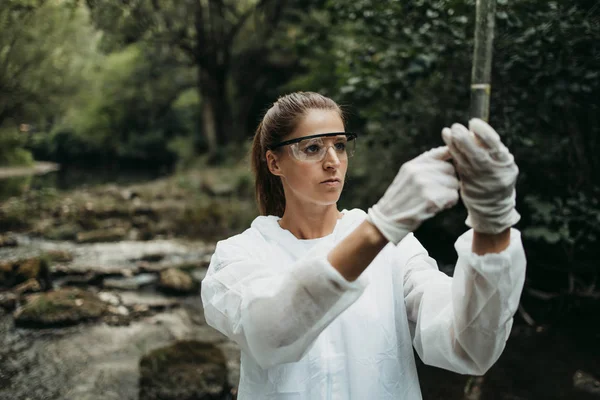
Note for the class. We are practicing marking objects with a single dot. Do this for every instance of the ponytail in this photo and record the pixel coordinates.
(267, 188)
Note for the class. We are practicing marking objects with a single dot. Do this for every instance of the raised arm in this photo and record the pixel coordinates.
(462, 323)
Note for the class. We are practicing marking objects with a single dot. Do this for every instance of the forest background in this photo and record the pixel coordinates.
(174, 85)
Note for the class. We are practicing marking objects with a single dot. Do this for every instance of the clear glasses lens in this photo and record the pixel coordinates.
(315, 149)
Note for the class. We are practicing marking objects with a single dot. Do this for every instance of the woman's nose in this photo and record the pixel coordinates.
(331, 158)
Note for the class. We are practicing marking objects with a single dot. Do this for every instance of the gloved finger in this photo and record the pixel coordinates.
(438, 153)
(485, 133)
(464, 141)
(502, 154)
(459, 158)
(442, 167)
(441, 199)
(442, 178)
(428, 167)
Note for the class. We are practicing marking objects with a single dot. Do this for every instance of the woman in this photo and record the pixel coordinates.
(327, 304)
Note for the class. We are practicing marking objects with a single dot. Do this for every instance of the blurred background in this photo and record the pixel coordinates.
(125, 128)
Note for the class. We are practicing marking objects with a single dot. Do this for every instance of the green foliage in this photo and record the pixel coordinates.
(231, 45)
(45, 46)
(19, 157)
(127, 112)
(14, 186)
(572, 223)
(12, 152)
(405, 69)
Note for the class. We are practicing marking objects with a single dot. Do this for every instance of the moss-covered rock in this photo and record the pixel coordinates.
(176, 281)
(29, 286)
(61, 307)
(186, 370)
(67, 231)
(61, 256)
(102, 235)
(15, 272)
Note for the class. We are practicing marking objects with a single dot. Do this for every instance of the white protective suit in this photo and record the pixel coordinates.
(308, 334)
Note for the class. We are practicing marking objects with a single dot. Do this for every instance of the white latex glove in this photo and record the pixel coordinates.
(424, 186)
(488, 175)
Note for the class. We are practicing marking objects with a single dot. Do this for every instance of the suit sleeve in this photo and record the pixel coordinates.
(274, 312)
(461, 323)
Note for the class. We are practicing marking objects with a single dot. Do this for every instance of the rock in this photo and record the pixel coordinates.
(110, 298)
(142, 209)
(8, 301)
(144, 301)
(111, 223)
(119, 310)
(30, 286)
(102, 235)
(61, 232)
(8, 240)
(141, 221)
(145, 266)
(129, 194)
(62, 307)
(132, 283)
(16, 272)
(86, 279)
(93, 272)
(187, 370)
(175, 281)
(134, 235)
(120, 211)
(188, 266)
(61, 256)
(222, 189)
(141, 308)
(150, 257)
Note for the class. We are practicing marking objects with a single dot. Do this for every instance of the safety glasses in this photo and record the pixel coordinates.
(314, 148)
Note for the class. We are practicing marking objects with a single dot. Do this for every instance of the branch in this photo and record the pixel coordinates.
(273, 23)
(240, 23)
(538, 294)
(526, 317)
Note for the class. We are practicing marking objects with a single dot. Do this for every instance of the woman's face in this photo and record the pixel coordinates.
(316, 182)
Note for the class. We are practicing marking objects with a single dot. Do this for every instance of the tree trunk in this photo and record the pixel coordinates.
(216, 111)
(209, 126)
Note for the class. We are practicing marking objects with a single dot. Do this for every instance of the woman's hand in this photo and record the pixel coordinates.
(488, 175)
(423, 187)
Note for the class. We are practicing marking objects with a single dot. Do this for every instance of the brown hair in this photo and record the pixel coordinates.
(280, 121)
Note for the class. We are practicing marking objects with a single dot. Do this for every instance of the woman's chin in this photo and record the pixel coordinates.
(330, 198)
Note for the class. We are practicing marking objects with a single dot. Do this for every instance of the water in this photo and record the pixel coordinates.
(99, 360)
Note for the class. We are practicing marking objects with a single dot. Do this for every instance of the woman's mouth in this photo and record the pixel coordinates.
(332, 182)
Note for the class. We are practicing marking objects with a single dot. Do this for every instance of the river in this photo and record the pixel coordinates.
(101, 359)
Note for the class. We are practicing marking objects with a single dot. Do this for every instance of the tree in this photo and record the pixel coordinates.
(43, 51)
(211, 35)
(128, 112)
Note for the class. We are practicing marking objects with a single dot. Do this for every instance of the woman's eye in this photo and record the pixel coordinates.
(313, 148)
(340, 146)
